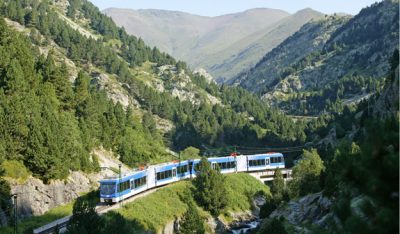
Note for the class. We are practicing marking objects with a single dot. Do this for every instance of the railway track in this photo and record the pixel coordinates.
(60, 225)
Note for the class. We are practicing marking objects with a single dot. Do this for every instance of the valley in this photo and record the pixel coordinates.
(83, 99)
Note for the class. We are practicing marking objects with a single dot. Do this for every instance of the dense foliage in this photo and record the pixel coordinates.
(360, 175)
(219, 125)
(210, 188)
(50, 125)
(191, 221)
(367, 172)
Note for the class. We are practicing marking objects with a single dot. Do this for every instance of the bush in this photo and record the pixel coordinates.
(15, 169)
(210, 188)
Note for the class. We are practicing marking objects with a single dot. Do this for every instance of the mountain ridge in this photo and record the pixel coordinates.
(343, 49)
(211, 42)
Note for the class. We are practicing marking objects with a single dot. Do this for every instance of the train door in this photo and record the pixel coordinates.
(267, 161)
(190, 168)
(174, 172)
(214, 165)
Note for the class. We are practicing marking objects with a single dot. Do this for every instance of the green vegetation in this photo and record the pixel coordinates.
(278, 186)
(27, 225)
(368, 171)
(240, 190)
(191, 221)
(274, 226)
(306, 174)
(15, 169)
(190, 153)
(67, 122)
(153, 212)
(55, 126)
(209, 188)
(328, 63)
(84, 218)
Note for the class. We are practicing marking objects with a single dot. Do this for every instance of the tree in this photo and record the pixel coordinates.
(85, 219)
(210, 188)
(190, 153)
(274, 226)
(191, 221)
(278, 186)
(306, 174)
(116, 223)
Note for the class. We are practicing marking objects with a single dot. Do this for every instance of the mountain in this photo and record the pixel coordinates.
(224, 45)
(334, 60)
(71, 82)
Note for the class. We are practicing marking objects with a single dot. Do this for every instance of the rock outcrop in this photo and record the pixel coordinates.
(313, 209)
(35, 197)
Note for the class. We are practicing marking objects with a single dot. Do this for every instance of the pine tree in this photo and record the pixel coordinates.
(210, 188)
(278, 186)
(84, 218)
(191, 222)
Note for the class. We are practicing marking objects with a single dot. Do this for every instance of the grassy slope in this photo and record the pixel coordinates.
(153, 212)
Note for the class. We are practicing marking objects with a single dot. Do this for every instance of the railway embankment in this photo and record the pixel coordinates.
(161, 211)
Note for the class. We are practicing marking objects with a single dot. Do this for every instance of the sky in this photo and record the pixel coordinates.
(220, 7)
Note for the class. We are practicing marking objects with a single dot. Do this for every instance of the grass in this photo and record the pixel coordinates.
(15, 170)
(242, 188)
(153, 212)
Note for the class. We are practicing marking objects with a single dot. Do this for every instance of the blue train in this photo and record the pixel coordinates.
(113, 190)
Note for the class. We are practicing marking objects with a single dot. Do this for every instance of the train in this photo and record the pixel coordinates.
(116, 189)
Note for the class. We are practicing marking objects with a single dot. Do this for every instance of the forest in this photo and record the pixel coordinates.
(79, 117)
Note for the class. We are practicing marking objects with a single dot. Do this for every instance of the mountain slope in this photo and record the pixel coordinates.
(178, 32)
(245, 53)
(109, 89)
(351, 51)
(311, 37)
(224, 45)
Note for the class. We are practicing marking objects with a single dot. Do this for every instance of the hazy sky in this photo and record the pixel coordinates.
(220, 7)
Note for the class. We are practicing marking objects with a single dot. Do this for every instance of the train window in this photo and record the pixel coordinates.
(164, 175)
(140, 182)
(107, 188)
(276, 160)
(256, 163)
(227, 165)
(123, 186)
(182, 169)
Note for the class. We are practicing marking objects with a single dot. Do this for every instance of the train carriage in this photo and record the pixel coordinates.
(116, 189)
(259, 162)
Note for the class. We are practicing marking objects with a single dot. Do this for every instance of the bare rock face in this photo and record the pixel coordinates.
(313, 208)
(35, 197)
(205, 74)
(114, 90)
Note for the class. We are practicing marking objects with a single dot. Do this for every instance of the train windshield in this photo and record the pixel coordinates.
(107, 188)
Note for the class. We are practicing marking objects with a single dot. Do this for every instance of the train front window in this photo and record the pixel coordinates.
(107, 189)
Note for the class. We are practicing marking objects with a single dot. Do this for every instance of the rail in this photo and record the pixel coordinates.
(60, 225)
